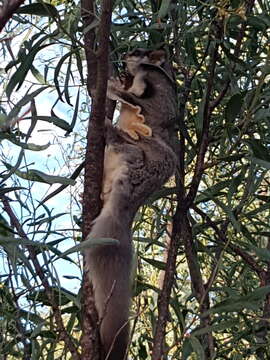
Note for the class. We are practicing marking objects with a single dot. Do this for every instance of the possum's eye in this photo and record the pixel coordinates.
(136, 53)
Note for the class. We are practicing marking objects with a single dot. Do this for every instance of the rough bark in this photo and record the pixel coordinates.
(8, 8)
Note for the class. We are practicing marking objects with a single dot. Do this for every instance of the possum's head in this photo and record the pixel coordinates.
(138, 56)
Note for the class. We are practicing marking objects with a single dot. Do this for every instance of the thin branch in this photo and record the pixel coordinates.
(203, 142)
(164, 298)
(39, 270)
(177, 235)
(8, 8)
(175, 241)
(198, 286)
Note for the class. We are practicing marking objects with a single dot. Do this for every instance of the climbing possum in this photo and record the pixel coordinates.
(133, 170)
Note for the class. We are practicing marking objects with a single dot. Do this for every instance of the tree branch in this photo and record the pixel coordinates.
(97, 66)
(7, 10)
(203, 142)
(175, 241)
(164, 298)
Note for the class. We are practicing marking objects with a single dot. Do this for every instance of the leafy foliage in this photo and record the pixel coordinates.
(220, 52)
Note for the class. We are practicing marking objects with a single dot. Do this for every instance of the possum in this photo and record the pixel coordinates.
(133, 170)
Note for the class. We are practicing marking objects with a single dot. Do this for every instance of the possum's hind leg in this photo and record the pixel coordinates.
(115, 169)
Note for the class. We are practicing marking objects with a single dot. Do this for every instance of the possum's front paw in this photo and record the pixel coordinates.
(115, 84)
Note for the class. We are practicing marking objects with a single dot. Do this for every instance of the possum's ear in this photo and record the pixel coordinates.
(158, 57)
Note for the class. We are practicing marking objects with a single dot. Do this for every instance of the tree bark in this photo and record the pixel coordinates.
(8, 8)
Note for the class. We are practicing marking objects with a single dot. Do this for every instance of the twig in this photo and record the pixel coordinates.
(106, 303)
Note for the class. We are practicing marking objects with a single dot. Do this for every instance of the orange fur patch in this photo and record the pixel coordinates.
(132, 121)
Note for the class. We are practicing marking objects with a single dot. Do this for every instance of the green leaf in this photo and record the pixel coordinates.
(262, 163)
(251, 214)
(39, 176)
(75, 114)
(257, 22)
(187, 349)
(62, 124)
(232, 158)
(61, 295)
(66, 87)
(236, 224)
(233, 107)
(15, 254)
(27, 315)
(164, 8)
(164, 192)
(191, 49)
(74, 176)
(91, 242)
(26, 63)
(259, 150)
(237, 303)
(18, 77)
(4, 190)
(40, 78)
(4, 240)
(46, 220)
(236, 181)
(26, 146)
(25, 100)
(262, 253)
(197, 347)
(58, 68)
(157, 264)
(223, 325)
(38, 9)
(212, 191)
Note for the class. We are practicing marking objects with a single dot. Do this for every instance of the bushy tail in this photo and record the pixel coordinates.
(109, 269)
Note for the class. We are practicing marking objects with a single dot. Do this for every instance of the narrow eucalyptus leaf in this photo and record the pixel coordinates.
(62, 124)
(25, 100)
(237, 303)
(9, 189)
(260, 151)
(91, 242)
(197, 347)
(164, 8)
(38, 9)
(223, 325)
(39, 176)
(157, 264)
(233, 107)
(26, 146)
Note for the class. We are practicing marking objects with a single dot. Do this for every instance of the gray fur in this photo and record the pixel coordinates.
(145, 165)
